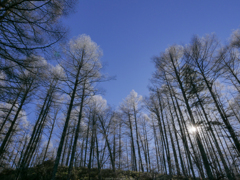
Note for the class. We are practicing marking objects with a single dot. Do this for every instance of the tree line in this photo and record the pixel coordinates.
(187, 126)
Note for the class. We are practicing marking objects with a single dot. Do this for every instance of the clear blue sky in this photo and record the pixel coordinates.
(131, 32)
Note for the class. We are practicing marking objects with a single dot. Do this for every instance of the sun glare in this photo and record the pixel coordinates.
(192, 129)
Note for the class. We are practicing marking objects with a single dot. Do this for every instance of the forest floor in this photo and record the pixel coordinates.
(44, 172)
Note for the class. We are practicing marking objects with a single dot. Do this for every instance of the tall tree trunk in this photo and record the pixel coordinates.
(10, 111)
(199, 143)
(77, 132)
(81, 160)
(59, 151)
(174, 150)
(14, 120)
(134, 161)
(50, 135)
(86, 145)
(98, 160)
(70, 145)
(139, 151)
(184, 138)
(228, 172)
(156, 145)
(164, 134)
(65, 148)
(92, 143)
(221, 111)
(120, 146)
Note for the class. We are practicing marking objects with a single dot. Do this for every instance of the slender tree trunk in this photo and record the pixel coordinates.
(92, 143)
(65, 148)
(199, 143)
(86, 146)
(77, 132)
(148, 154)
(143, 145)
(139, 151)
(229, 175)
(10, 111)
(162, 138)
(71, 145)
(174, 150)
(98, 160)
(164, 134)
(134, 161)
(50, 136)
(14, 120)
(156, 145)
(221, 111)
(120, 146)
(114, 147)
(81, 160)
(184, 138)
(178, 146)
(59, 152)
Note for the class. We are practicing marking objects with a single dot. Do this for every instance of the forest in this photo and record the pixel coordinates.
(188, 127)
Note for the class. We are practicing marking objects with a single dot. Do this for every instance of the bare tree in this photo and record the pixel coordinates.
(82, 67)
(29, 82)
(27, 27)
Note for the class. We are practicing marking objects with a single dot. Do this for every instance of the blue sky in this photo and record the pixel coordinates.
(131, 32)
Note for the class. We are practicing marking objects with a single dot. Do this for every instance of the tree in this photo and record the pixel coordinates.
(82, 67)
(130, 108)
(196, 86)
(105, 119)
(29, 82)
(27, 27)
(235, 38)
(170, 63)
(48, 98)
(201, 52)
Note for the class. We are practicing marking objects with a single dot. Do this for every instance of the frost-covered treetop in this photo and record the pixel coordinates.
(83, 43)
(132, 100)
(235, 38)
(176, 51)
(164, 61)
(58, 71)
(98, 103)
(36, 61)
(37, 65)
(82, 51)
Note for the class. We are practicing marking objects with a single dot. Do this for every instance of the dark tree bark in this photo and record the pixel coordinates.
(76, 132)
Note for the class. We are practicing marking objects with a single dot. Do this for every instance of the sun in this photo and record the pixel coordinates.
(192, 129)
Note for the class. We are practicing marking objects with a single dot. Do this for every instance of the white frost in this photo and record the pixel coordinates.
(235, 38)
